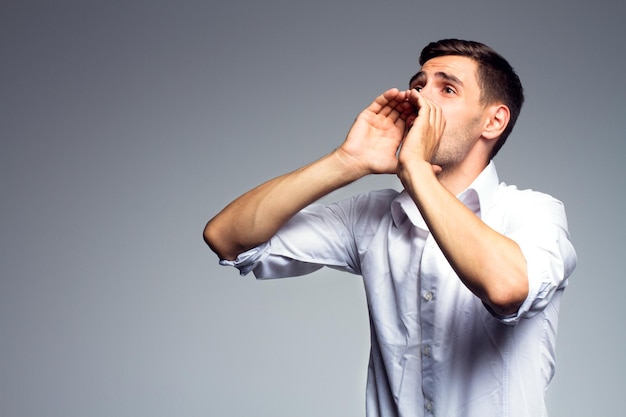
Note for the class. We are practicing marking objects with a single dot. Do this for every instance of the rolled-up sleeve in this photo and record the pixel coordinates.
(246, 261)
(317, 236)
(543, 237)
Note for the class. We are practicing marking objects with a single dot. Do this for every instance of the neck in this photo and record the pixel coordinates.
(458, 178)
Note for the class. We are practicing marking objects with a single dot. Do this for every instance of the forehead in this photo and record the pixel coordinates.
(459, 67)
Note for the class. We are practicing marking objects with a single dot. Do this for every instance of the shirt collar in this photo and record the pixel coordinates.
(477, 197)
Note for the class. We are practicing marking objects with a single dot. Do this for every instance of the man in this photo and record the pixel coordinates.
(463, 274)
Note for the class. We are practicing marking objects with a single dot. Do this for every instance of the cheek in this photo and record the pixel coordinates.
(459, 116)
(451, 110)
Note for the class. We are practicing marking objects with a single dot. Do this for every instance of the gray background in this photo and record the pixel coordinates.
(125, 125)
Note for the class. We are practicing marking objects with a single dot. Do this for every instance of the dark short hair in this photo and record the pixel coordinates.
(497, 79)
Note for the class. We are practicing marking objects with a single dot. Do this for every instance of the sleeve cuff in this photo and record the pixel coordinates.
(246, 261)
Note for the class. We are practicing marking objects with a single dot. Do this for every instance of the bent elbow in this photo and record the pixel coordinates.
(215, 240)
(507, 299)
(208, 236)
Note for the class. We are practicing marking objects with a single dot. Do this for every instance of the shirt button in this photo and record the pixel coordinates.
(429, 406)
(426, 350)
(428, 296)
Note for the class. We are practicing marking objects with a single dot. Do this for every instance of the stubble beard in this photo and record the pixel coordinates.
(455, 145)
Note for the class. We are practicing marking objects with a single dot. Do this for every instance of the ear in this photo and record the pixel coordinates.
(498, 116)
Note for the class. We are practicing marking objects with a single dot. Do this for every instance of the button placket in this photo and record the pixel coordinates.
(428, 285)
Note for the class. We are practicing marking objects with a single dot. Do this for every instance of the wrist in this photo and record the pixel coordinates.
(348, 166)
(417, 169)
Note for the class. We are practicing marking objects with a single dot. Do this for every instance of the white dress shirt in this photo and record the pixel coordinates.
(436, 349)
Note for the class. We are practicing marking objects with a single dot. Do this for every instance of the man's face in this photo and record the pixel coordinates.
(451, 82)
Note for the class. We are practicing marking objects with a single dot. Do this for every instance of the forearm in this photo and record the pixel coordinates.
(257, 215)
(491, 265)
(370, 147)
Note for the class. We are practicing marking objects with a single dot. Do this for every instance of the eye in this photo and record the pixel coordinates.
(417, 88)
(449, 90)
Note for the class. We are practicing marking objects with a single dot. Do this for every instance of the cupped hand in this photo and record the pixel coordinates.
(424, 133)
(373, 140)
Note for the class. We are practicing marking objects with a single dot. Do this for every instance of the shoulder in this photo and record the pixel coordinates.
(512, 195)
(527, 205)
(385, 196)
(375, 202)
(361, 209)
(355, 208)
(506, 192)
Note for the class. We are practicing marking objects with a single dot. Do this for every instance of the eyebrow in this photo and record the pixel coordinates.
(421, 76)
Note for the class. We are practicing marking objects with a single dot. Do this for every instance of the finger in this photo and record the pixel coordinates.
(394, 94)
(402, 108)
(429, 110)
(412, 96)
(382, 101)
(423, 107)
(438, 119)
(395, 106)
(377, 105)
(397, 109)
(434, 114)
